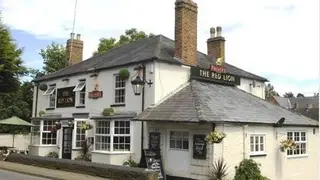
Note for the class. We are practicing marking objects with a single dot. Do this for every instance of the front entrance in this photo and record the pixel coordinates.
(178, 153)
(67, 142)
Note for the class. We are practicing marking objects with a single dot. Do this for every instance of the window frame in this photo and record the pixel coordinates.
(80, 89)
(111, 136)
(115, 89)
(48, 132)
(298, 143)
(175, 148)
(96, 135)
(121, 135)
(76, 123)
(36, 132)
(259, 152)
(52, 87)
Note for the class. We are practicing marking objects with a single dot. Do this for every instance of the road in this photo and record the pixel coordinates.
(8, 175)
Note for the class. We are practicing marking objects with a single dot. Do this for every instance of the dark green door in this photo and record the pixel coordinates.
(67, 143)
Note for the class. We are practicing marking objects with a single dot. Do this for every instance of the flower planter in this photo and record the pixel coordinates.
(215, 137)
(85, 126)
(287, 144)
(124, 73)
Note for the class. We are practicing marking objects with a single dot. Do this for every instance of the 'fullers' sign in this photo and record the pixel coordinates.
(223, 78)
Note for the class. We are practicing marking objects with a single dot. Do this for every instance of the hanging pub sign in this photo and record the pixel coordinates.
(208, 75)
(66, 97)
(95, 94)
(199, 147)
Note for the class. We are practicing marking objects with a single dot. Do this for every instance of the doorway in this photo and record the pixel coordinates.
(67, 142)
(178, 153)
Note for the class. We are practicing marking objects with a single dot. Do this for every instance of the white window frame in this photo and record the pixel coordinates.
(102, 135)
(291, 153)
(82, 132)
(121, 135)
(35, 133)
(111, 135)
(182, 140)
(50, 90)
(79, 91)
(259, 151)
(119, 88)
(47, 132)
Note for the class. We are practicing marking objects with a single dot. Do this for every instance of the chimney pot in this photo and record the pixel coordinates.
(71, 35)
(219, 31)
(78, 36)
(212, 32)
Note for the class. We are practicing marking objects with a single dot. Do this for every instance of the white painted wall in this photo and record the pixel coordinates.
(258, 90)
(275, 165)
(19, 141)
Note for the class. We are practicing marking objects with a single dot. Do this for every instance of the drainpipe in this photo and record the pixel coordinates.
(36, 104)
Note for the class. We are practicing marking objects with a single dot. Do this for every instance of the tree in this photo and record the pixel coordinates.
(300, 95)
(269, 91)
(130, 35)
(288, 95)
(11, 65)
(315, 94)
(54, 58)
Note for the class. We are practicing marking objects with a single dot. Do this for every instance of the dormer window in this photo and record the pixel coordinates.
(51, 92)
(80, 90)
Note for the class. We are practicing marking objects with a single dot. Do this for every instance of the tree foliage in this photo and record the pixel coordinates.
(11, 65)
(248, 169)
(300, 95)
(54, 58)
(288, 95)
(270, 91)
(129, 36)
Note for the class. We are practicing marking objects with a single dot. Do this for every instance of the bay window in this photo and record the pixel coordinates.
(114, 135)
(41, 133)
(35, 132)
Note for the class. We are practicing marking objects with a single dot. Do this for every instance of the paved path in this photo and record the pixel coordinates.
(9, 175)
(42, 172)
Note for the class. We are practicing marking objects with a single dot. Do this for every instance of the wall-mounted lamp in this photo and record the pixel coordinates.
(71, 123)
(139, 81)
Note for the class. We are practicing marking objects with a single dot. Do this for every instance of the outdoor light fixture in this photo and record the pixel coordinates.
(139, 82)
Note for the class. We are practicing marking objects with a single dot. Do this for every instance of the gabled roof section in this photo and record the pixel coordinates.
(154, 48)
(201, 101)
(283, 102)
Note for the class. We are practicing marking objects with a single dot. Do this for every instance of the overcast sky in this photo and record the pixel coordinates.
(277, 39)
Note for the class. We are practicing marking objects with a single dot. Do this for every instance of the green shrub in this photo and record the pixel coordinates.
(41, 113)
(43, 87)
(107, 111)
(85, 151)
(248, 169)
(131, 162)
(124, 73)
(219, 170)
(52, 154)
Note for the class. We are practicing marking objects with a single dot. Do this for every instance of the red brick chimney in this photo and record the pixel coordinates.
(215, 44)
(74, 49)
(186, 12)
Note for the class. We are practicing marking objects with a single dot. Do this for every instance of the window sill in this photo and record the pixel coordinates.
(117, 105)
(81, 106)
(297, 156)
(52, 108)
(111, 153)
(37, 145)
(258, 155)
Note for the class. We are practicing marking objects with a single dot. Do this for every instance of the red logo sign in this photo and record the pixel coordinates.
(218, 69)
(95, 94)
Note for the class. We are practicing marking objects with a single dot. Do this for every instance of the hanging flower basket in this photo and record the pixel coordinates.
(43, 87)
(124, 73)
(215, 137)
(85, 126)
(57, 125)
(287, 144)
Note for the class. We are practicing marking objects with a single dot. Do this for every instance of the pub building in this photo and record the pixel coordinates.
(156, 100)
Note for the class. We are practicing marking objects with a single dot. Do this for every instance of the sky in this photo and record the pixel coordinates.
(276, 39)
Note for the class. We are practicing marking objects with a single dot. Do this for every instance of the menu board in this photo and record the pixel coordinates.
(154, 140)
(154, 161)
(199, 147)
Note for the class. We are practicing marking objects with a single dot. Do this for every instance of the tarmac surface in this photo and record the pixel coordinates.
(16, 171)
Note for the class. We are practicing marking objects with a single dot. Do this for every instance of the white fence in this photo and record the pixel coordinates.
(19, 141)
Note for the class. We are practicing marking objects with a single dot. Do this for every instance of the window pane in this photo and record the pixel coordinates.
(303, 136)
(172, 144)
(261, 147)
(261, 139)
(303, 148)
(257, 139)
(296, 136)
(251, 139)
(185, 144)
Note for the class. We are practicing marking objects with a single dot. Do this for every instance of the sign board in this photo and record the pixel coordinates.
(218, 69)
(154, 140)
(154, 161)
(95, 94)
(221, 78)
(65, 97)
(199, 147)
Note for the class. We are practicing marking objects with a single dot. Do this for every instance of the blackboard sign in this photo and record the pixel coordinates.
(199, 147)
(154, 161)
(65, 97)
(154, 140)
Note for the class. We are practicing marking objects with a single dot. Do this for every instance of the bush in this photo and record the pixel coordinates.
(219, 170)
(52, 154)
(248, 169)
(107, 111)
(124, 73)
(85, 151)
(131, 162)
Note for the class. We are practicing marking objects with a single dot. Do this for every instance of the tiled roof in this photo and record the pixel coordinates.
(155, 48)
(283, 102)
(202, 101)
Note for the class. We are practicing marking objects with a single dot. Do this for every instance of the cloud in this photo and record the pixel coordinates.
(266, 36)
